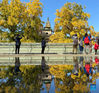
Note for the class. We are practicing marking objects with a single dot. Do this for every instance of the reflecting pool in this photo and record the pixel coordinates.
(49, 74)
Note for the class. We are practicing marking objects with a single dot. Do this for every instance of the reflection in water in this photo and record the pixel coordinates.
(75, 70)
(97, 63)
(78, 78)
(17, 65)
(88, 70)
(43, 65)
(46, 77)
(97, 60)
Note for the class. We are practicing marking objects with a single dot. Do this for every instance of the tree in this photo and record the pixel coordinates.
(70, 19)
(23, 18)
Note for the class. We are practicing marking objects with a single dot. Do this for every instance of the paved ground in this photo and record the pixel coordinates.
(37, 54)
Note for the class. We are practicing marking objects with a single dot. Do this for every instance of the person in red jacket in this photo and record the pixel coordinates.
(87, 41)
(96, 47)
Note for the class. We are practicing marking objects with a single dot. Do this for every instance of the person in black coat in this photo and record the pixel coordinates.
(43, 44)
(17, 44)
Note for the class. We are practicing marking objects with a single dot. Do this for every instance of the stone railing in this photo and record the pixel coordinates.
(54, 48)
(36, 48)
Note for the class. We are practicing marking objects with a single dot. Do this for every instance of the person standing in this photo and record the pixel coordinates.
(80, 46)
(75, 43)
(17, 44)
(96, 46)
(43, 44)
(86, 40)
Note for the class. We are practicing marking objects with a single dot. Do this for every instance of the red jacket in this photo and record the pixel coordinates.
(96, 60)
(96, 46)
(87, 67)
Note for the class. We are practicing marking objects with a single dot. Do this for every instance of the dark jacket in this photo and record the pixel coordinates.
(17, 40)
(43, 44)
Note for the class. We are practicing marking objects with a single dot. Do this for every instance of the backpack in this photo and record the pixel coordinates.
(75, 41)
(86, 40)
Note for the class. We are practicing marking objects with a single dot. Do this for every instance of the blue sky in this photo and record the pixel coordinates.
(50, 6)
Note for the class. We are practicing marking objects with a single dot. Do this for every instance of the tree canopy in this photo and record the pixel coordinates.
(71, 19)
(18, 17)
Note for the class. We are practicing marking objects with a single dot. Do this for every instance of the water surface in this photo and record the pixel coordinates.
(49, 75)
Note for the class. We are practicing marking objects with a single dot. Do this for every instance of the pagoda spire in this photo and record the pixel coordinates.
(48, 23)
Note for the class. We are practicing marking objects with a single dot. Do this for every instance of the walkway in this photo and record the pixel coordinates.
(38, 54)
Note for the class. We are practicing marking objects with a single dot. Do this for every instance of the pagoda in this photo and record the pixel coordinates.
(46, 31)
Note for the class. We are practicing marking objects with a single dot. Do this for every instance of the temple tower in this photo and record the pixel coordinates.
(46, 32)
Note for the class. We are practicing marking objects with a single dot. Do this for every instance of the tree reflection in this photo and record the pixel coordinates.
(63, 82)
(70, 79)
(21, 79)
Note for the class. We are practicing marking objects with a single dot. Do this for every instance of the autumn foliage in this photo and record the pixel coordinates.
(23, 18)
(18, 17)
(70, 19)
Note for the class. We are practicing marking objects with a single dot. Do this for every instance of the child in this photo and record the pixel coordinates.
(96, 47)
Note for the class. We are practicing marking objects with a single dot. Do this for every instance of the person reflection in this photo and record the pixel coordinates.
(97, 63)
(81, 59)
(78, 67)
(17, 65)
(75, 70)
(43, 65)
(97, 60)
(88, 69)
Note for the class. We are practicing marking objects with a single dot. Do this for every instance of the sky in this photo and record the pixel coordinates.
(50, 6)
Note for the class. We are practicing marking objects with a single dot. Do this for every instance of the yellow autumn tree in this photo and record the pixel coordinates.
(92, 31)
(70, 19)
(59, 37)
(21, 18)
